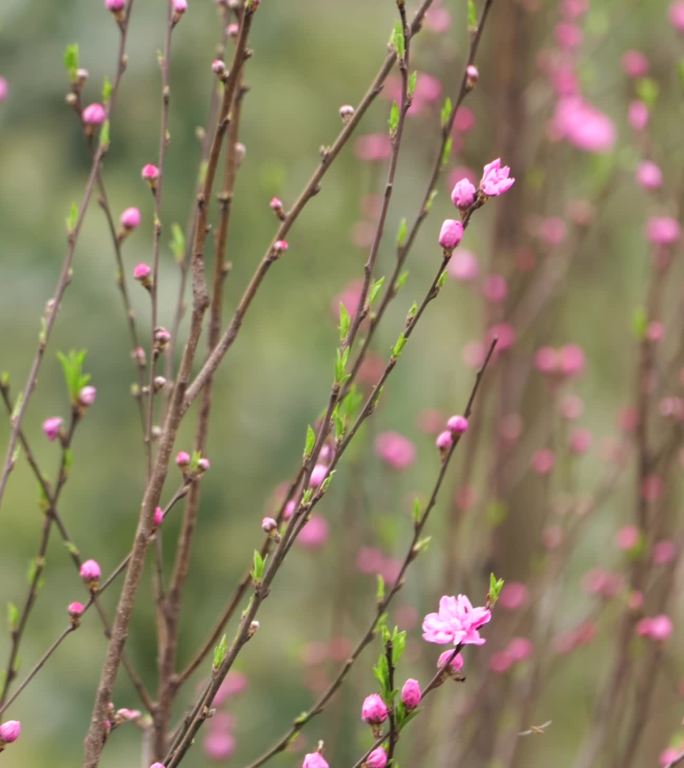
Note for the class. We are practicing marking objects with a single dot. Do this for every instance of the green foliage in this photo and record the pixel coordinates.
(445, 113)
(375, 290)
(220, 653)
(12, 616)
(106, 90)
(310, 441)
(258, 567)
(397, 42)
(393, 119)
(412, 81)
(177, 244)
(71, 61)
(341, 361)
(472, 16)
(495, 587)
(647, 90)
(72, 366)
(402, 232)
(72, 218)
(345, 323)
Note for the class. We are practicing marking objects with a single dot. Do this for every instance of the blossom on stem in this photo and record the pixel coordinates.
(315, 760)
(51, 427)
(444, 440)
(90, 572)
(130, 219)
(450, 234)
(463, 194)
(94, 114)
(142, 272)
(377, 758)
(115, 5)
(657, 628)
(158, 517)
(496, 179)
(457, 622)
(456, 663)
(10, 731)
(411, 693)
(87, 395)
(182, 459)
(395, 450)
(374, 710)
(662, 230)
(458, 424)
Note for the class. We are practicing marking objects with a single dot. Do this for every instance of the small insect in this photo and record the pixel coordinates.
(536, 729)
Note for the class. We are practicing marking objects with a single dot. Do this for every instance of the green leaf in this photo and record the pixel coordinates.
(375, 290)
(401, 280)
(339, 423)
(106, 90)
(72, 366)
(71, 61)
(640, 323)
(445, 114)
(381, 674)
(345, 322)
(258, 568)
(495, 587)
(431, 199)
(177, 243)
(12, 616)
(417, 510)
(393, 119)
(399, 345)
(341, 361)
(413, 311)
(397, 41)
(17, 407)
(422, 544)
(380, 589)
(349, 407)
(220, 653)
(104, 135)
(310, 441)
(441, 280)
(446, 154)
(413, 79)
(72, 218)
(647, 90)
(472, 16)
(328, 479)
(402, 232)
(398, 645)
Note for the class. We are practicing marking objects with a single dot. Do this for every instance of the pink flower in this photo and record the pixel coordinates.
(4, 89)
(130, 218)
(268, 524)
(115, 5)
(456, 622)
(634, 64)
(219, 745)
(315, 760)
(463, 194)
(676, 15)
(142, 272)
(90, 572)
(463, 266)
(552, 230)
(377, 758)
(582, 125)
(505, 333)
(280, 246)
(496, 179)
(314, 534)
(234, 684)
(411, 693)
(183, 459)
(500, 662)
(458, 424)
(455, 665)
(180, 6)
(662, 230)
(603, 583)
(655, 627)
(571, 360)
(627, 538)
(546, 360)
(158, 517)
(51, 427)
(373, 147)
(495, 288)
(519, 649)
(289, 509)
(444, 440)
(374, 710)
(438, 19)
(318, 475)
(543, 461)
(664, 552)
(568, 36)
(150, 172)
(450, 234)
(157, 765)
(76, 610)
(395, 450)
(649, 175)
(94, 114)
(580, 441)
(10, 731)
(669, 755)
(637, 115)
(87, 395)
(513, 596)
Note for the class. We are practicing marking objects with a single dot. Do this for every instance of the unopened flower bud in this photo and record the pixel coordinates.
(472, 76)
(162, 337)
(183, 459)
(52, 428)
(280, 246)
(159, 383)
(233, 29)
(158, 517)
(87, 395)
(90, 572)
(75, 611)
(81, 76)
(411, 694)
(276, 206)
(150, 174)
(240, 152)
(10, 731)
(130, 219)
(444, 441)
(179, 8)
(346, 113)
(115, 6)
(376, 759)
(253, 628)
(142, 273)
(94, 114)
(203, 464)
(450, 234)
(218, 66)
(458, 424)
(374, 710)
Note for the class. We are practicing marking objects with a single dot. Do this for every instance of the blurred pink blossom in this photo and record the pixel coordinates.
(314, 534)
(582, 125)
(395, 450)
(655, 627)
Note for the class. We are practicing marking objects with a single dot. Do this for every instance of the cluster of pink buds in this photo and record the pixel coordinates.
(10, 731)
(456, 426)
(192, 465)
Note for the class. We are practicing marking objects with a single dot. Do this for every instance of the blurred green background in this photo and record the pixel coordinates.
(309, 58)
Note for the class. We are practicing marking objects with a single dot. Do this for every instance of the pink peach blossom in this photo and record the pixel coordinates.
(395, 450)
(456, 622)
